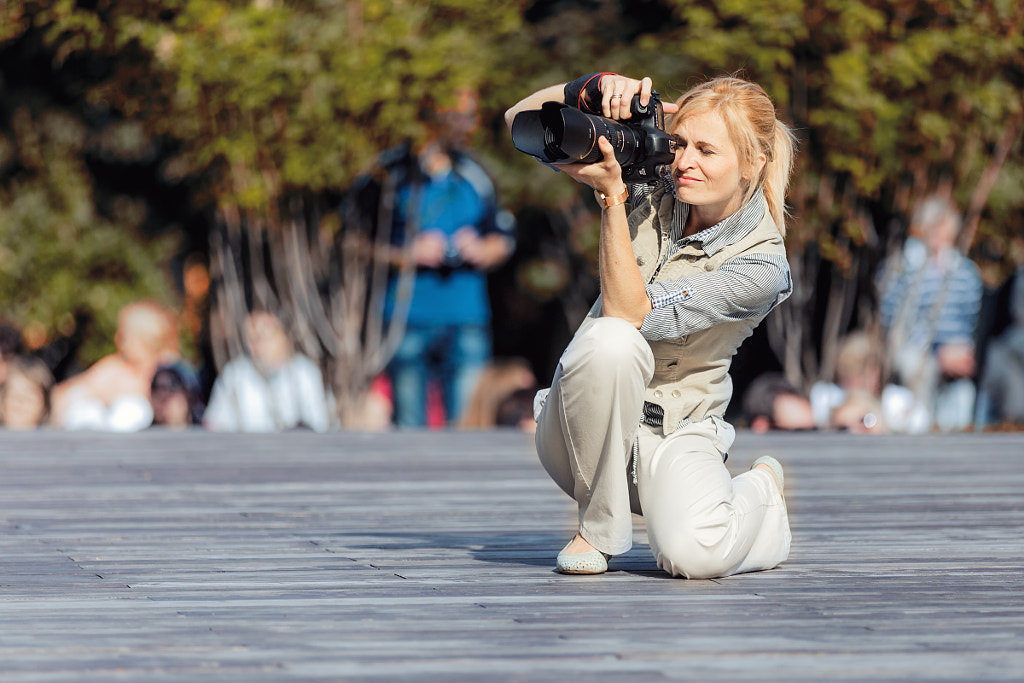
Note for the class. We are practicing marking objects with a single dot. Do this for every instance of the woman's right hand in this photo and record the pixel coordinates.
(605, 175)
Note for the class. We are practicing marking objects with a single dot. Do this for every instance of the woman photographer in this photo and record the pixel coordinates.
(633, 421)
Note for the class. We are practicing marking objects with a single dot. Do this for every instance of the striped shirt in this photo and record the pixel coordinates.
(930, 301)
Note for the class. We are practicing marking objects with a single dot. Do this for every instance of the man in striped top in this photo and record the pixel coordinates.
(930, 300)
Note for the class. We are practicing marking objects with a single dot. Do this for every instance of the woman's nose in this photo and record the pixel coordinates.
(684, 158)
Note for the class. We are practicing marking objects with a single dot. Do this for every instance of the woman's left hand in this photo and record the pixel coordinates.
(617, 96)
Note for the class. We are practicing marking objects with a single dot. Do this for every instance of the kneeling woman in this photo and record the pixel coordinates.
(633, 421)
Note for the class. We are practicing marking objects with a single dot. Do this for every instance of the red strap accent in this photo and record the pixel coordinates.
(580, 103)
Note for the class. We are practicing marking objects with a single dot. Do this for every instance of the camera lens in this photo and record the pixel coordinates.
(550, 142)
(576, 134)
(558, 134)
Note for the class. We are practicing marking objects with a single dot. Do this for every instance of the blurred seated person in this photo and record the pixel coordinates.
(859, 413)
(771, 403)
(930, 299)
(270, 389)
(859, 371)
(499, 380)
(113, 393)
(175, 395)
(10, 347)
(377, 410)
(516, 410)
(25, 395)
(1001, 388)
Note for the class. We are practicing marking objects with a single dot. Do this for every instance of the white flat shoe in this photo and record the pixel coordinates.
(590, 562)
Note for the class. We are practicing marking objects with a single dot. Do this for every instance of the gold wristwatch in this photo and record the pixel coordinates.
(607, 202)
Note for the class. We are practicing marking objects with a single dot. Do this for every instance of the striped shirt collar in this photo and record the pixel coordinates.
(723, 233)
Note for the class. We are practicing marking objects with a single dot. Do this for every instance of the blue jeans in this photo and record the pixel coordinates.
(453, 355)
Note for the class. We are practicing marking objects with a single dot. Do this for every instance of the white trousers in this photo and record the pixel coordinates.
(701, 523)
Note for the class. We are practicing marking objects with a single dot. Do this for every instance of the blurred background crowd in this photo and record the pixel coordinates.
(261, 216)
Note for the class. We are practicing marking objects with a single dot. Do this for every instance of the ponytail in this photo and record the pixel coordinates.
(776, 173)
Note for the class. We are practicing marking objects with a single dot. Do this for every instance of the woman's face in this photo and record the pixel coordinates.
(706, 170)
(24, 403)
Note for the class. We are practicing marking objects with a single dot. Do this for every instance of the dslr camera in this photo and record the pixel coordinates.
(559, 134)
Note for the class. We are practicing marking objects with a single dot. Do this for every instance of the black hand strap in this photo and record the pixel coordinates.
(585, 92)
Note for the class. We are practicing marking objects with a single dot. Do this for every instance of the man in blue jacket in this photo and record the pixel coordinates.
(445, 203)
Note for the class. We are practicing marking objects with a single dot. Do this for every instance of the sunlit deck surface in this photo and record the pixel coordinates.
(429, 556)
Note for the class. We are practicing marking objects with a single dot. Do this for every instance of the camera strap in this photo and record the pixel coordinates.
(589, 85)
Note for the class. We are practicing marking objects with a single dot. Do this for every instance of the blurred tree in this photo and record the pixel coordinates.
(892, 101)
(897, 101)
(64, 259)
(278, 106)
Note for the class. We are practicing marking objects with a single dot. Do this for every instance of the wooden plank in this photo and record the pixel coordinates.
(196, 556)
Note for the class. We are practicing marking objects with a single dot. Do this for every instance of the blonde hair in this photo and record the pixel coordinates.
(749, 116)
(859, 359)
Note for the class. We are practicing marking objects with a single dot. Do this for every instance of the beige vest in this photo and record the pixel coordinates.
(691, 375)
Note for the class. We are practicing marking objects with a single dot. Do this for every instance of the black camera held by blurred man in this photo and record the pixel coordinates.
(559, 134)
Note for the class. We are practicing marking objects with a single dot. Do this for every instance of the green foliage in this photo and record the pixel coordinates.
(57, 256)
(280, 96)
(265, 98)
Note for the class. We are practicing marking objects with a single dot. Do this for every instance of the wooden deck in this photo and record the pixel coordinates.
(428, 556)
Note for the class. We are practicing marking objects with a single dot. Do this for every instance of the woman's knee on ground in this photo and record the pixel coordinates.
(691, 562)
(682, 549)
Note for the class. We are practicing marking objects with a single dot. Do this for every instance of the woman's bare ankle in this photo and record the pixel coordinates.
(578, 545)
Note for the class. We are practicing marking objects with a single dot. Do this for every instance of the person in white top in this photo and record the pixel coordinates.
(858, 402)
(113, 394)
(271, 389)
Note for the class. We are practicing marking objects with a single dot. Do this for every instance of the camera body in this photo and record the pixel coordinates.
(559, 134)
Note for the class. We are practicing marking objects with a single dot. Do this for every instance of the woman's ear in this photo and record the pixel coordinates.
(756, 167)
